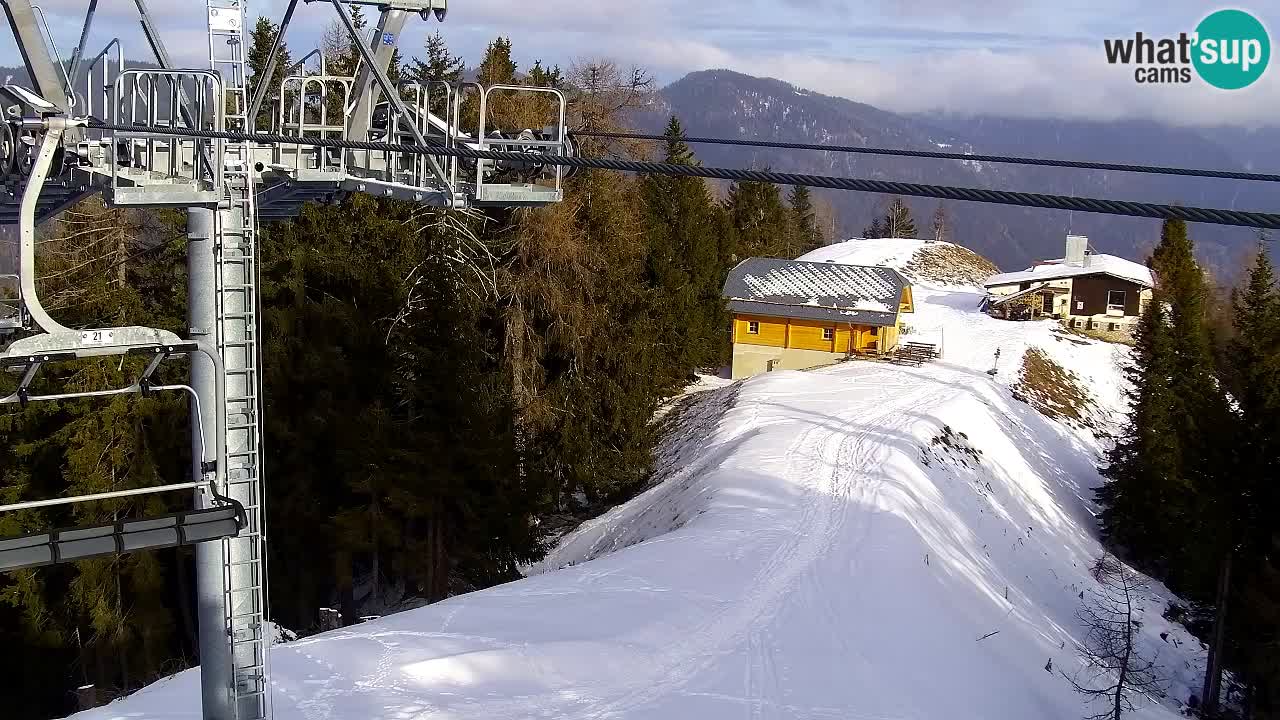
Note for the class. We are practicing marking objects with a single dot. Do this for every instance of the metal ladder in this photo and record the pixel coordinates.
(236, 277)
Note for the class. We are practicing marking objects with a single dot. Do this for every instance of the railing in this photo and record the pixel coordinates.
(107, 83)
(168, 98)
(525, 141)
(410, 168)
(312, 97)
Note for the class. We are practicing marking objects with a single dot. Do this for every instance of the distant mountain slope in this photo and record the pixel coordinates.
(728, 104)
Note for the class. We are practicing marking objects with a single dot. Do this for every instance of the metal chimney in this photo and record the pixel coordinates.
(1077, 246)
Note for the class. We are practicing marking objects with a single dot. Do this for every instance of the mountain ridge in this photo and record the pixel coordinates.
(726, 103)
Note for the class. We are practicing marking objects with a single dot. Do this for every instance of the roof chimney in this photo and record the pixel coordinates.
(1077, 246)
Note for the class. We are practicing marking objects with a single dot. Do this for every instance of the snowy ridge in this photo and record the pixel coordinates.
(931, 263)
(830, 544)
(895, 253)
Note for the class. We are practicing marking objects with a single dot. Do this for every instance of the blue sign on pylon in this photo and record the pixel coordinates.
(388, 38)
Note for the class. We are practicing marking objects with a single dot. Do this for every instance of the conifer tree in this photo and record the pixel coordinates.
(1173, 500)
(497, 67)
(1253, 372)
(1254, 378)
(683, 264)
(875, 230)
(440, 65)
(760, 221)
(504, 109)
(1168, 478)
(805, 230)
(1143, 498)
(1204, 422)
(897, 220)
(120, 609)
(263, 36)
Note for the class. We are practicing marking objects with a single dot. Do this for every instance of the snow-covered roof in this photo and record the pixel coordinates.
(1096, 264)
(816, 290)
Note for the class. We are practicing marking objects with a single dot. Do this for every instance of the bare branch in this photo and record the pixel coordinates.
(1114, 668)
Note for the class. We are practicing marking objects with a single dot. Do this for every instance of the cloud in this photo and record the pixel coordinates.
(1068, 82)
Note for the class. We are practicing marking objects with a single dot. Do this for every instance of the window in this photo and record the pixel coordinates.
(875, 331)
(1115, 300)
(828, 334)
(1113, 327)
(753, 328)
(1079, 304)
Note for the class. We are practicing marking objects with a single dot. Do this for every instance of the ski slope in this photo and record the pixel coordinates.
(810, 552)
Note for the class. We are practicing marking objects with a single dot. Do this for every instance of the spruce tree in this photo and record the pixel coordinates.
(897, 220)
(1253, 372)
(504, 110)
(260, 42)
(760, 221)
(804, 223)
(1144, 496)
(1173, 502)
(497, 67)
(683, 264)
(1204, 422)
(121, 609)
(875, 230)
(1168, 477)
(1254, 378)
(440, 65)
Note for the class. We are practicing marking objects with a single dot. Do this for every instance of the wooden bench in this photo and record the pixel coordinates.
(914, 354)
(924, 348)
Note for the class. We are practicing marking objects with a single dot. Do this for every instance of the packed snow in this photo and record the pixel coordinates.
(808, 551)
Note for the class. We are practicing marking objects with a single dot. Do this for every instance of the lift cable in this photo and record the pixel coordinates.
(1215, 216)
(934, 155)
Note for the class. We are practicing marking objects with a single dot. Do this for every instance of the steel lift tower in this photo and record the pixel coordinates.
(54, 152)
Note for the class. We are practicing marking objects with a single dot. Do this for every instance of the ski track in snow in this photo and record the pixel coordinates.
(799, 562)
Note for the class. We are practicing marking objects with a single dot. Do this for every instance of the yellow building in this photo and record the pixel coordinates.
(791, 315)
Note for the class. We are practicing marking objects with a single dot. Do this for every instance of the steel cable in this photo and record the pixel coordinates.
(1215, 216)
(935, 155)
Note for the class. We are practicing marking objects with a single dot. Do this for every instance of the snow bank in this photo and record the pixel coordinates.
(814, 548)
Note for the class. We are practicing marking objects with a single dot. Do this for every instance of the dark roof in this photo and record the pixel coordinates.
(860, 294)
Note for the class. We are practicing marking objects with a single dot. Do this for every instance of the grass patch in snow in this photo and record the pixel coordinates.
(952, 444)
(1054, 390)
(953, 448)
(950, 264)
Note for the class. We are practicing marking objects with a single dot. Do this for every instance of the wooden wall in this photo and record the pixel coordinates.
(807, 334)
(1092, 291)
(773, 331)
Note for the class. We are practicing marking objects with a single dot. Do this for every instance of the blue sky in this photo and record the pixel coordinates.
(1016, 57)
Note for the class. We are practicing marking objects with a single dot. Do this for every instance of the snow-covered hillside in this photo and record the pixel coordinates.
(859, 541)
